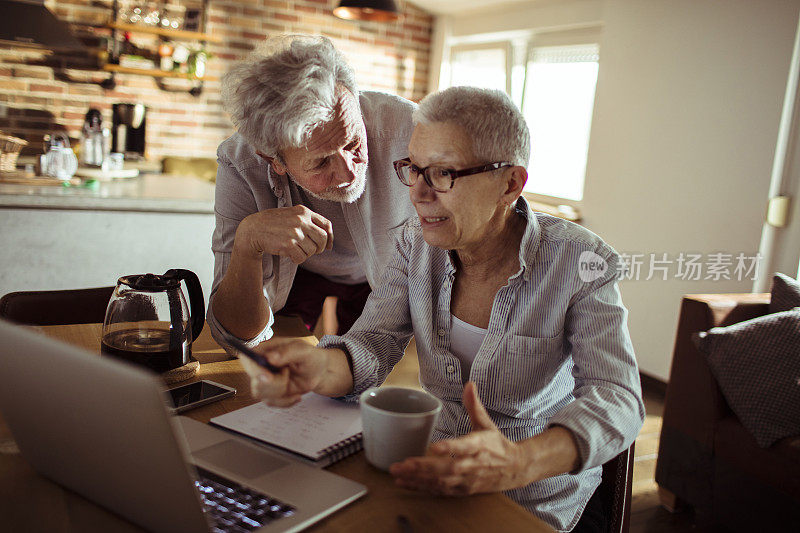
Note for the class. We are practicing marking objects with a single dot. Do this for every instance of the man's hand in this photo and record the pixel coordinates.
(304, 368)
(482, 461)
(295, 232)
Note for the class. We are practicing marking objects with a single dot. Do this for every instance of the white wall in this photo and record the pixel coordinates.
(539, 15)
(686, 118)
(688, 105)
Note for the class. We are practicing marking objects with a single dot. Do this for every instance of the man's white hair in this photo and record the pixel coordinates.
(489, 118)
(284, 90)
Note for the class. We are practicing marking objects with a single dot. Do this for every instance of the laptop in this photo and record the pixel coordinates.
(100, 427)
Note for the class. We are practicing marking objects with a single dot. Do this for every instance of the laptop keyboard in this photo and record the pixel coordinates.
(236, 509)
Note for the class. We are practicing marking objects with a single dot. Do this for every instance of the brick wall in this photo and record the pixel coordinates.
(46, 92)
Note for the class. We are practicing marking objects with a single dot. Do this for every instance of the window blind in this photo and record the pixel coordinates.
(582, 53)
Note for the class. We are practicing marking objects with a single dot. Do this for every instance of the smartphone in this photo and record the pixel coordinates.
(254, 356)
(193, 395)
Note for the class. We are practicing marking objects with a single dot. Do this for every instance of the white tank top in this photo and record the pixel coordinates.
(465, 341)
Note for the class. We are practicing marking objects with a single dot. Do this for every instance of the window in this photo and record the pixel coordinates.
(553, 83)
(557, 104)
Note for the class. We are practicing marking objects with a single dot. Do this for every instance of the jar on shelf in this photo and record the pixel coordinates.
(151, 14)
(136, 15)
(172, 17)
(165, 51)
(196, 64)
(180, 57)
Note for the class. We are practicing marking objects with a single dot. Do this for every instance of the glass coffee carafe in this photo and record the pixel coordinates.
(148, 321)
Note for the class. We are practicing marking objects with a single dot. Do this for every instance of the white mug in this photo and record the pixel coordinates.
(398, 423)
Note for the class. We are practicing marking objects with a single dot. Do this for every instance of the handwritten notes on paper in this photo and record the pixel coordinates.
(308, 428)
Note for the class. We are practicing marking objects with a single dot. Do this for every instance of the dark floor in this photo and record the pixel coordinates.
(647, 515)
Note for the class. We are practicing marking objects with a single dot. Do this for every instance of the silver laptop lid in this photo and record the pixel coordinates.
(98, 427)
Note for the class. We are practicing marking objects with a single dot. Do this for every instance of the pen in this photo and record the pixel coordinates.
(254, 356)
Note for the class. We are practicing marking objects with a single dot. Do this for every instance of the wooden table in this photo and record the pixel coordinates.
(30, 502)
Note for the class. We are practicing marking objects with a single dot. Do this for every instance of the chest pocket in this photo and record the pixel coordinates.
(529, 368)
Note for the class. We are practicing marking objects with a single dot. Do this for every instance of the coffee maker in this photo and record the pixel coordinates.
(128, 131)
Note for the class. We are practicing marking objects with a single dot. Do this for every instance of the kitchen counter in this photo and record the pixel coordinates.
(58, 237)
(144, 193)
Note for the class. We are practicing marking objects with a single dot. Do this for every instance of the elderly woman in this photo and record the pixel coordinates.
(529, 354)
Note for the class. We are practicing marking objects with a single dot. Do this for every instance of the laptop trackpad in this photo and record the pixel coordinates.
(240, 459)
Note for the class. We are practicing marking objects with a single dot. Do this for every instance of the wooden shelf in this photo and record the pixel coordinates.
(166, 32)
(155, 73)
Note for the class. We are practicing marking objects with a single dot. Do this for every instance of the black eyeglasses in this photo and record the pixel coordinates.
(439, 179)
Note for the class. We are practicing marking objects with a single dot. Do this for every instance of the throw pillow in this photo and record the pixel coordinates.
(785, 293)
(757, 366)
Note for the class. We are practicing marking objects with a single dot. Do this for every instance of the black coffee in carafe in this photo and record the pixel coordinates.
(147, 347)
(148, 322)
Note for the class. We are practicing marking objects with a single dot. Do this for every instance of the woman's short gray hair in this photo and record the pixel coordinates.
(285, 89)
(488, 117)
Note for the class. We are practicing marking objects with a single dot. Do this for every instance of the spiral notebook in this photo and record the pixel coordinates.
(318, 430)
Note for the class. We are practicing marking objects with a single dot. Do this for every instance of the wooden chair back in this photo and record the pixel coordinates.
(47, 308)
(615, 490)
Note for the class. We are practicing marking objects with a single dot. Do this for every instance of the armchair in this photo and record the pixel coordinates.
(707, 459)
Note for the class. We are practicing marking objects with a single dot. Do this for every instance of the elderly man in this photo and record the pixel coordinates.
(306, 180)
(532, 359)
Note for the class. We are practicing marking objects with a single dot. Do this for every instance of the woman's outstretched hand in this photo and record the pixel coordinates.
(482, 461)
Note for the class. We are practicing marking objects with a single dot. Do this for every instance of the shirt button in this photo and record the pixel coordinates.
(441, 332)
(277, 192)
(450, 369)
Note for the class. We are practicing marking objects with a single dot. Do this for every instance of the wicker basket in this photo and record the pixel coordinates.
(9, 151)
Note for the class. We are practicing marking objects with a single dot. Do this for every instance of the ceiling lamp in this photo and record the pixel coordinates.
(374, 10)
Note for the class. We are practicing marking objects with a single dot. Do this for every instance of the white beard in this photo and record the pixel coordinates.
(346, 195)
